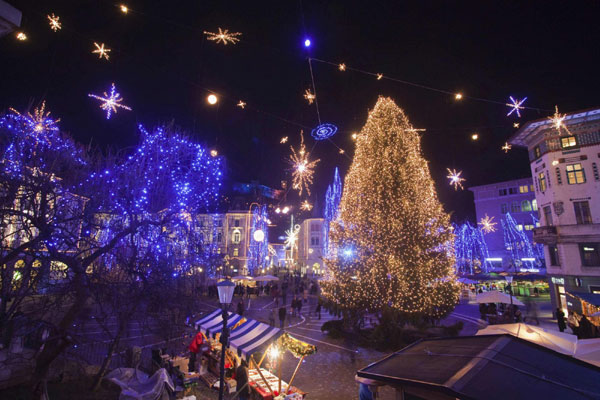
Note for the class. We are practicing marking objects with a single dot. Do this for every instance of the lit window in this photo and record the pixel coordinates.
(524, 189)
(528, 227)
(537, 152)
(236, 252)
(525, 205)
(542, 181)
(590, 254)
(531, 188)
(567, 142)
(237, 237)
(519, 227)
(575, 174)
(534, 205)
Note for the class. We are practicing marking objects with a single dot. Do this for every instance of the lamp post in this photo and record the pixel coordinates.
(225, 289)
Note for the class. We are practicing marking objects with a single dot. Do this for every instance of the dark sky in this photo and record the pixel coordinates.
(163, 66)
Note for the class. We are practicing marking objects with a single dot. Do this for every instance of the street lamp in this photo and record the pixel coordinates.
(225, 289)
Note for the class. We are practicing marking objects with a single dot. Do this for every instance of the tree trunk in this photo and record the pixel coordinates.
(107, 360)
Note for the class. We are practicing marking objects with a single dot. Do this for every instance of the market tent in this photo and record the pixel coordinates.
(253, 336)
(467, 281)
(266, 278)
(584, 349)
(212, 324)
(495, 296)
(242, 278)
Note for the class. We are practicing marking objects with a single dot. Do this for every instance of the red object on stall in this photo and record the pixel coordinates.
(196, 343)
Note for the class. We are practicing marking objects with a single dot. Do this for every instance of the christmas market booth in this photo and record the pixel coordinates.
(261, 346)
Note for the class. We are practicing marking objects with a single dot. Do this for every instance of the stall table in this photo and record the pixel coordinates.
(260, 387)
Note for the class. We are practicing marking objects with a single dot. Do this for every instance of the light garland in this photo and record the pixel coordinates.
(303, 168)
(39, 122)
(309, 96)
(55, 24)
(224, 36)
(111, 102)
(455, 178)
(101, 51)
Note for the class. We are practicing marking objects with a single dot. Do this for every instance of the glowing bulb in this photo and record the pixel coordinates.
(474, 136)
(214, 153)
(212, 99)
(555, 162)
(307, 43)
(458, 96)
(379, 76)
(516, 125)
(354, 136)
(124, 8)
(241, 104)
(285, 210)
(277, 210)
(258, 235)
(342, 67)
(21, 36)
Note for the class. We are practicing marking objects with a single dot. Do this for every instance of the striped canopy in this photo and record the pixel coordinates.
(212, 324)
(253, 336)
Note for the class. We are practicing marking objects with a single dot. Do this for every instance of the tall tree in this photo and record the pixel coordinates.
(393, 239)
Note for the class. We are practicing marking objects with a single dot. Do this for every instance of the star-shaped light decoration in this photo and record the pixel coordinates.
(455, 179)
(516, 105)
(111, 102)
(283, 140)
(291, 236)
(506, 147)
(55, 25)
(224, 36)
(341, 151)
(306, 206)
(379, 77)
(342, 67)
(241, 104)
(516, 125)
(557, 121)
(303, 169)
(39, 122)
(487, 224)
(309, 96)
(101, 50)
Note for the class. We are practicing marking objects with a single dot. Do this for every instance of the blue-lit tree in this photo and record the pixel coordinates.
(258, 249)
(333, 196)
(470, 248)
(521, 249)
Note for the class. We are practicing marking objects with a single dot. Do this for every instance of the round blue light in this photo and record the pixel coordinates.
(307, 43)
(323, 131)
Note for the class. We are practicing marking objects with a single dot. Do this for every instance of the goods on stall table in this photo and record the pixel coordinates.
(255, 379)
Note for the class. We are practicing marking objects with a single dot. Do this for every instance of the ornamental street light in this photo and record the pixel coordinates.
(225, 289)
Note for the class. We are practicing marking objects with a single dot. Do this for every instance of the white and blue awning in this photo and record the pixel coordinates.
(212, 324)
(252, 337)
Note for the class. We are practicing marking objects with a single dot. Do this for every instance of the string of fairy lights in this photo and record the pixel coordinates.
(302, 167)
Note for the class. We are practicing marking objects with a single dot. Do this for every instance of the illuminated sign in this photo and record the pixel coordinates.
(558, 281)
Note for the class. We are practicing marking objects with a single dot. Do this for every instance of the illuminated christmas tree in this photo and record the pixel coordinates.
(394, 240)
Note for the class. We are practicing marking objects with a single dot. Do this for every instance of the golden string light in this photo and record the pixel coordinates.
(458, 96)
(101, 51)
(224, 36)
(342, 67)
(124, 9)
(379, 77)
(475, 136)
(40, 120)
(455, 178)
(283, 140)
(487, 224)
(54, 21)
(506, 147)
(21, 36)
(302, 168)
(341, 151)
(516, 124)
(309, 96)
(241, 104)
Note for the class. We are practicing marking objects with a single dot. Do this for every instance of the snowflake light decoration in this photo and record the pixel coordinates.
(283, 140)
(516, 105)
(111, 102)
(455, 179)
(323, 131)
(342, 67)
(303, 168)
(516, 125)
(241, 104)
(557, 121)
(291, 236)
(101, 50)
(506, 147)
(379, 77)
(40, 121)
(487, 224)
(55, 25)
(224, 36)
(309, 96)
(306, 206)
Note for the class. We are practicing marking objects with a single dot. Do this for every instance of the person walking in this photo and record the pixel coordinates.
(318, 309)
(240, 307)
(272, 317)
(241, 378)
(560, 316)
(282, 312)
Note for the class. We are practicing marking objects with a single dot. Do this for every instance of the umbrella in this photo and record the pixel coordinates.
(265, 278)
(242, 278)
(467, 281)
(497, 297)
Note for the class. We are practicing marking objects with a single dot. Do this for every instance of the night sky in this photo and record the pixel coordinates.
(163, 67)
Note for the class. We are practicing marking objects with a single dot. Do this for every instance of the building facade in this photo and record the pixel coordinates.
(311, 246)
(495, 202)
(564, 154)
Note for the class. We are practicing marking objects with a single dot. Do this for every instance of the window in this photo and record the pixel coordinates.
(503, 208)
(548, 215)
(512, 190)
(236, 252)
(590, 254)
(519, 227)
(595, 289)
(534, 205)
(236, 223)
(525, 205)
(314, 227)
(582, 212)
(524, 189)
(537, 152)
(219, 237)
(314, 241)
(515, 207)
(548, 180)
(502, 192)
(558, 177)
(553, 251)
(219, 223)
(575, 174)
(237, 237)
(595, 170)
(567, 142)
(531, 188)
(542, 182)
(529, 227)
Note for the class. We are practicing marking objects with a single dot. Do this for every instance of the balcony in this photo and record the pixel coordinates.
(567, 234)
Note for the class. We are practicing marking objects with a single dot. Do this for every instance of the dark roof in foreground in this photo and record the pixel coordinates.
(487, 367)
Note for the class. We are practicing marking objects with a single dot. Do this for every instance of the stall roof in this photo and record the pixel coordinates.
(252, 337)
(212, 324)
(490, 367)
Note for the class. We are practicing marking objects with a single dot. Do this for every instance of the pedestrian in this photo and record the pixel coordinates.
(194, 348)
(299, 307)
(560, 316)
(272, 317)
(282, 312)
(318, 309)
(241, 378)
(240, 307)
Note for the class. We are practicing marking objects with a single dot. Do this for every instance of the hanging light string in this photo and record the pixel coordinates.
(312, 78)
(380, 76)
